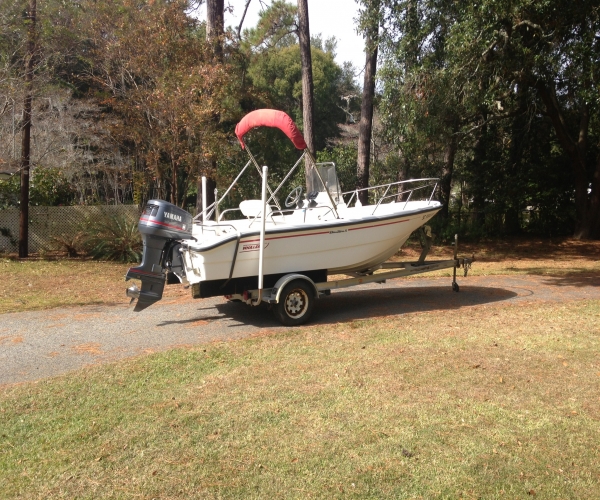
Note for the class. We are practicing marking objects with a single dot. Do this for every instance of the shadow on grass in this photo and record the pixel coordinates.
(581, 279)
(578, 276)
(348, 305)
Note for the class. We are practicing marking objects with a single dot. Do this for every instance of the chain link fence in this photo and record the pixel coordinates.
(48, 223)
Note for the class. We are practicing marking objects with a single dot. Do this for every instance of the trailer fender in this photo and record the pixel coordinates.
(284, 280)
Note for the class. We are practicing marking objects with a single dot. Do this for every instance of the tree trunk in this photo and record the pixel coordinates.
(366, 109)
(595, 201)
(26, 134)
(446, 182)
(307, 84)
(402, 175)
(513, 200)
(479, 163)
(215, 27)
(587, 205)
(210, 193)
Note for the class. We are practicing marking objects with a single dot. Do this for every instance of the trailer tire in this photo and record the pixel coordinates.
(296, 303)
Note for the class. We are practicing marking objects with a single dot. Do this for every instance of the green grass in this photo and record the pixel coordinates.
(491, 402)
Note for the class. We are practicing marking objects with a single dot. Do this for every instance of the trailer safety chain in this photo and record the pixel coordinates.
(467, 266)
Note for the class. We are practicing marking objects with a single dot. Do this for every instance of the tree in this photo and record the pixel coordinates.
(460, 81)
(275, 72)
(424, 106)
(553, 49)
(69, 132)
(370, 22)
(215, 28)
(307, 76)
(166, 89)
(26, 131)
(275, 27)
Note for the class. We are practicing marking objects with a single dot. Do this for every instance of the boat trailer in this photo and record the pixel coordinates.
(292, 298)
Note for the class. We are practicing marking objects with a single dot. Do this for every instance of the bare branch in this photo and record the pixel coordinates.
(239, 28)
(4, 108)
(529, 24)
(492, 118)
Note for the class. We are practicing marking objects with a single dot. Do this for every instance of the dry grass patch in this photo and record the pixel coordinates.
(498, 401)
(42, 284)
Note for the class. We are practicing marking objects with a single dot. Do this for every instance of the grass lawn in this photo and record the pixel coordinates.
(492, 401)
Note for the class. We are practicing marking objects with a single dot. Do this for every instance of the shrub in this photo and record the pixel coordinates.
(115, 238)
(73, 244)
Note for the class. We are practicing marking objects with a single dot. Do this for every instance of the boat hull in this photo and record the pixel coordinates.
(337, 246)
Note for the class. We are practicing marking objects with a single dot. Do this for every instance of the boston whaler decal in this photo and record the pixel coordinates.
(338, 231)
(252, 247)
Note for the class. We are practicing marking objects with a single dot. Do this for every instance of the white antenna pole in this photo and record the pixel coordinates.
(261, 250)
(203, 198)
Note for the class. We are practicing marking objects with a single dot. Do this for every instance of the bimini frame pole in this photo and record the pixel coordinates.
(214, 206)
(261, 250)
(286, 177)
(258, 169)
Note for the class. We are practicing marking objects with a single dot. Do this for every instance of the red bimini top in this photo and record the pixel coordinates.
(270, 118)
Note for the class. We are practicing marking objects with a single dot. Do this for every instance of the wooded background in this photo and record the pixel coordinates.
(138, 100)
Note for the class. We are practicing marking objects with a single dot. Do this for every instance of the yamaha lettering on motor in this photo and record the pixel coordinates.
(162, 225)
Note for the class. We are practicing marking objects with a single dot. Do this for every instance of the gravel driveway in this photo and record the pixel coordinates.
(40, 344)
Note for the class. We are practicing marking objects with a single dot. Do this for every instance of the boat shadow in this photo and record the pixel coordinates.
(349, 305)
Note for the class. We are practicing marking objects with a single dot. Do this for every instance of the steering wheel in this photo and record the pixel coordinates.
(293, 197)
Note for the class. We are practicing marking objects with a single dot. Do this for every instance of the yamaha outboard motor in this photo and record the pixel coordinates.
(162, 225)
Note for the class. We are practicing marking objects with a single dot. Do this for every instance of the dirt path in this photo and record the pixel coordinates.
(40, 344)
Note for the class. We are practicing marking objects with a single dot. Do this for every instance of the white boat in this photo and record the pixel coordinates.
(325, 232)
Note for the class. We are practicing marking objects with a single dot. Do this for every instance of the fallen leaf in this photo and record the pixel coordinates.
(531, 492)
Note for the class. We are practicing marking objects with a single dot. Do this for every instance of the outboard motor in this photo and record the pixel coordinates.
(162, 225)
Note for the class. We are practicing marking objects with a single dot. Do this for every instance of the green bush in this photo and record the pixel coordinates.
(115, 238)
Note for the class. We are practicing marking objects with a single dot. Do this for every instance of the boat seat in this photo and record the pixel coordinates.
(253, 208)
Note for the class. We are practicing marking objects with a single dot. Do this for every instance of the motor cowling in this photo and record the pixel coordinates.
(162, 226)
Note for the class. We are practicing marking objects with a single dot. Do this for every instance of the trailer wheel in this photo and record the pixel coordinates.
(455, 287)
(295, 304)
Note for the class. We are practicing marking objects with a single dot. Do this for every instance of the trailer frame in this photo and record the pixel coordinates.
(305, 295)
